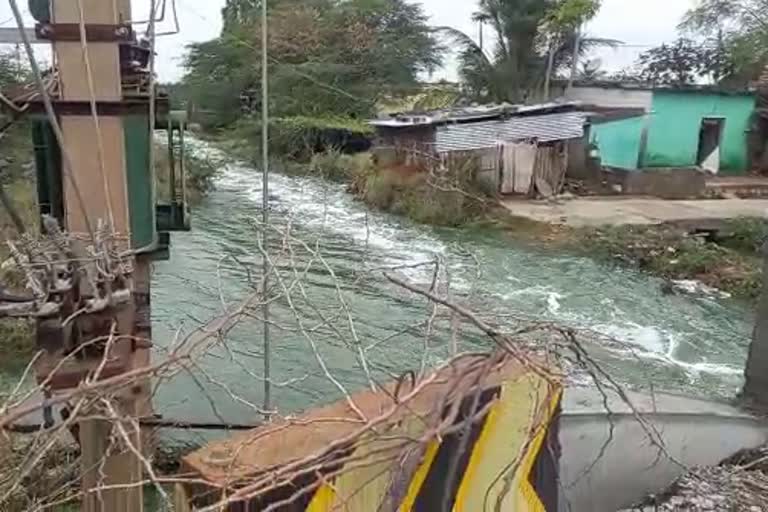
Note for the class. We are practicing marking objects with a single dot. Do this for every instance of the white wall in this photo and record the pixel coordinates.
(606, 97)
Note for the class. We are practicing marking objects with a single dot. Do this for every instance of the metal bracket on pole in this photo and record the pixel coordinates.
(103, 108)
(94, 33)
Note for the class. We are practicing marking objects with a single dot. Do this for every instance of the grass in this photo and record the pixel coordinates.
(200, 173)
(340, 167)
(50, 476)
(745, 235)
(449, 197)
(17, 340)
(731, 264)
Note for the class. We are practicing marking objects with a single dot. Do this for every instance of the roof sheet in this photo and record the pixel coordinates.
(486, 134)
(469, 113)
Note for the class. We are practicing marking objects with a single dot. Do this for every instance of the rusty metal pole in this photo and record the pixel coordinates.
(755, 391)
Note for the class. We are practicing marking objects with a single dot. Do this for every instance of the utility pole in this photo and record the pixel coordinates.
(93, 141)
(756, 387)
(94, 75)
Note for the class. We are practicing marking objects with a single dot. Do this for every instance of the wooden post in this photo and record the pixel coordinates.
(100, 174)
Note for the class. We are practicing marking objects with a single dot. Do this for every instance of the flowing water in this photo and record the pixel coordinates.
(683, 344)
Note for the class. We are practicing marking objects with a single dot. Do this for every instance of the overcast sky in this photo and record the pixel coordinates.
(638, 23)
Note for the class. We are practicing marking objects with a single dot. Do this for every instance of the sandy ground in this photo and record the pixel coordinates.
(582, 212)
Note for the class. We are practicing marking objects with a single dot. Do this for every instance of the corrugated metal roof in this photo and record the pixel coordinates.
(486, 134)
(467, 114)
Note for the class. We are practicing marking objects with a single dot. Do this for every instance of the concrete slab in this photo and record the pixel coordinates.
(609, 211)
(610, 460)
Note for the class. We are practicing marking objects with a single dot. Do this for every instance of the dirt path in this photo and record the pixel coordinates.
(585, 212)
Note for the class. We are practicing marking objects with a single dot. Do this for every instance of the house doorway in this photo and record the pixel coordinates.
(710, 138)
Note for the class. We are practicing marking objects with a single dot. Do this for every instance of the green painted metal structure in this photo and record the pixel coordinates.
(674, 127)
(141, 181)
(151, 218)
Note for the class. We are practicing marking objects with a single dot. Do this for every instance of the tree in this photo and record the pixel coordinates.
(525, 33)
(327, 57)
(11, 71)
(626, 75)
(738, 29)
(591, 71)
(682, 62)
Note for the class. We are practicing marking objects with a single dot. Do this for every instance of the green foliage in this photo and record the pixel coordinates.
(200, 173)
(216, 78)
(300, 137)
(452, 199)
(671, 253)
(337, 166)
(525, 31)
(424, 99)
(323, 123)
(573, 13)
(591, 71)
(444, 197)
(682, 63)
(739, 30)
(428, 205)
(746, 235)
(327, 58)
(13, 71)
(17, 342)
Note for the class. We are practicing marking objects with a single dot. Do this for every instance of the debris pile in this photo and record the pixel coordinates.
(738, 484)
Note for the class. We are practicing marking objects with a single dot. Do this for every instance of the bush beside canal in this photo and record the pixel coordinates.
(729, 261)
(447, 198)
(18, 180)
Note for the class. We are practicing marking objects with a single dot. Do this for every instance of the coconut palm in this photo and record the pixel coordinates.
(524, 32)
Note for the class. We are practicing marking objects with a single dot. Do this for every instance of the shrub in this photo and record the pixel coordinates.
(442, 208)
(412, 194)
(746, 234)
(200, 172)
(300, 137)
(337, 166)
(673, 254)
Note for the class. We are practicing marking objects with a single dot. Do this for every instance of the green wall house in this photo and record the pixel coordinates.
(681, 123)
(684, 128)
(619, 141)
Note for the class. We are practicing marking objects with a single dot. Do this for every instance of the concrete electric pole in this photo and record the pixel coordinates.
(93, 134)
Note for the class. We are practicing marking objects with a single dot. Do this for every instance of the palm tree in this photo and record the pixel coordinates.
(591, 71)
(524, 34)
